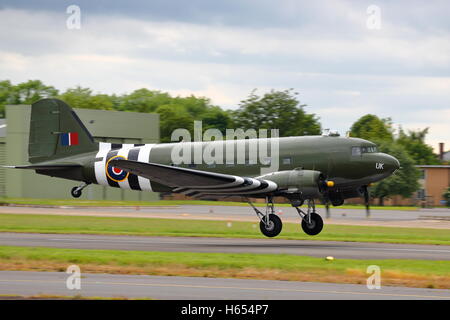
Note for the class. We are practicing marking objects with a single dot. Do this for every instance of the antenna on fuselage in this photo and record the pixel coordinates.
(330, 133)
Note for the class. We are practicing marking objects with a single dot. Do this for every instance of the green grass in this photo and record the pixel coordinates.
(267, 266)
(204, 228)
(108, 203)
(217, 260)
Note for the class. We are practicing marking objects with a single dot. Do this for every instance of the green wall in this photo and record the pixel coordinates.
(108, 126)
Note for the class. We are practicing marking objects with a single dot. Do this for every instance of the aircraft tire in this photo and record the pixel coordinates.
(75, 193)
(316, 225)
(274, 228)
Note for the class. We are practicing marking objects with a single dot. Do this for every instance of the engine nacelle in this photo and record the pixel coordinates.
(307, 183)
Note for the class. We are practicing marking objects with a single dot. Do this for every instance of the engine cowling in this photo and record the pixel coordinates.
(308, 183)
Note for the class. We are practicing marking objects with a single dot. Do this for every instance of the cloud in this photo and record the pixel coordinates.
(223, 50)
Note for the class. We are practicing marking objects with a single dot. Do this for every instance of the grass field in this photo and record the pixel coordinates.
(203, 228)
(414, 273)
(106, 203)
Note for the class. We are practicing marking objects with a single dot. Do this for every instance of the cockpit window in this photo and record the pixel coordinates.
(356, 151)
(371, 149)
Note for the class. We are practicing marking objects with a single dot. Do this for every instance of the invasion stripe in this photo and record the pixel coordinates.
(99, 166)
(111, 154)
(133, 180)
(144, 156)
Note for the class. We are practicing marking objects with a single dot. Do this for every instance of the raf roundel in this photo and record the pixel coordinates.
(116, 174)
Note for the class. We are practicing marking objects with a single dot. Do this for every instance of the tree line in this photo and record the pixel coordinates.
(274, 109)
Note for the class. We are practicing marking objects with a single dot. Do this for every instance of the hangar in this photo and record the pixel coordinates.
(105, 126)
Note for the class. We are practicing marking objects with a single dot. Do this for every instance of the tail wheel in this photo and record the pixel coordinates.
(273, 228)
(76, 193)
(316, 225)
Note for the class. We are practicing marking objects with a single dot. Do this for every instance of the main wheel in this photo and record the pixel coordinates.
(75, 192)
(273, 228)
(316, 225)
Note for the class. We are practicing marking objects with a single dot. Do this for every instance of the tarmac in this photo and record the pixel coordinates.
(438, 218)
(337, 249)
(191, 288)
(159, 287)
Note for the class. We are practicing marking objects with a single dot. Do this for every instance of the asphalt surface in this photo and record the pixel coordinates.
(168, 288)
(422, 218)
(343, 250)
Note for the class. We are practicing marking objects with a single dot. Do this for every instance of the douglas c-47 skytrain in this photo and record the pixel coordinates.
(330, 168)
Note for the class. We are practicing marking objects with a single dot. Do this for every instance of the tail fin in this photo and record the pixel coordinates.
(56, 132)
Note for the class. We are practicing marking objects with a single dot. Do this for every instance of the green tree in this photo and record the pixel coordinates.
(414, 143)
(173, 117)
(79, 97)
(403, 182)
(196, 106)
(144, 100)
(372, 128)
(30, 92)
(276, 110)
(216, 118)
(24, 93)
(5, 95)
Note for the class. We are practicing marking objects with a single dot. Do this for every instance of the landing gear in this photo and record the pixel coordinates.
(76, 191)
(270, 224)
(312, 223)
(272, 228)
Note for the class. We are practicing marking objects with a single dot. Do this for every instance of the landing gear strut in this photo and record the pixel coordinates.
(270, 224)
(312, 223)
(76, 191)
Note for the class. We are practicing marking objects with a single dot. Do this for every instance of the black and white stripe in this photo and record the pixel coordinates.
(248, 187)
(137, 152)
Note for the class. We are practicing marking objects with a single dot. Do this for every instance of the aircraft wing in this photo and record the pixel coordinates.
(196, 183)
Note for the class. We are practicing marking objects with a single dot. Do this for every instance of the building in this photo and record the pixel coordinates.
(443, 156)
(106, 126)
(2, 156)
(435, 179)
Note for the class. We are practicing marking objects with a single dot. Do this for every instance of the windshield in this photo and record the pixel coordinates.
(357, 151)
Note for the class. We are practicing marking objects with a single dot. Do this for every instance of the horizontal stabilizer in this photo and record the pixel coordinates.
(45, 166)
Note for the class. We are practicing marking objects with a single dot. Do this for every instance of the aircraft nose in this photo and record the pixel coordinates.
(391, 163)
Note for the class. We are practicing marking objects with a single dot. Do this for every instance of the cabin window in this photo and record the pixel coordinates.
(266, 161)
(356, 151)
(287, 161)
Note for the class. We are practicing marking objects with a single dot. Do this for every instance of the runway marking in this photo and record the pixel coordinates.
(231, 287)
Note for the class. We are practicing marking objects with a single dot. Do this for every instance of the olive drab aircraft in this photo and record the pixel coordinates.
(329, 167)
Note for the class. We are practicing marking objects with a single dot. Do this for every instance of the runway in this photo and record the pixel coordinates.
(339, 250)
(158, 287)
(421, 218)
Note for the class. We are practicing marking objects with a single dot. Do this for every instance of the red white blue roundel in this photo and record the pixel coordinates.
(116, 174)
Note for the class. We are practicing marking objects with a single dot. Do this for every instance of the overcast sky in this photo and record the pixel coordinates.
(223, 49)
